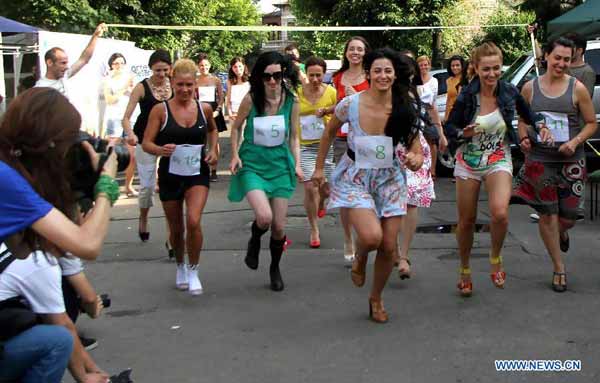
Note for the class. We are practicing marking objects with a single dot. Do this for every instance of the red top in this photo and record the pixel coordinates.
(341, 92)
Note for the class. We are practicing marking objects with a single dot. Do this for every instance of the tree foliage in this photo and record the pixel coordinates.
(81, 16)
(367, 12)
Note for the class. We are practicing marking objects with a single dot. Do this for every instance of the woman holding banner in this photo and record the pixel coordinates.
(178, 131)
(317, 103)
(210, 90)
(149, 92)
(266, 165)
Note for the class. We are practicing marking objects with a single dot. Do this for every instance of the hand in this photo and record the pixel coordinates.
(318, 178)
(568, 148)
(525, 145)
(320, 112)
(443, 144)
(349, 90)
(531, 28)
(299, 173)
(232, 116)
(96, 377)
(469, 130)
(413, 161)
(167, 150)
(132, 139)
(93, 309)
(211, 158)
(100, 29)
(111, 164)
(546, 135)
(235, 164)
(215, 113)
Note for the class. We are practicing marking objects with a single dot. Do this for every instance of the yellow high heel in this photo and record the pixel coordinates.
(499, 277)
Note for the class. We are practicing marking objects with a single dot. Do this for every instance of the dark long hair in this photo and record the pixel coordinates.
(36, 132)
(231, 76)
(257, 87)
(345, 62)
(404, 123)
(463, 70)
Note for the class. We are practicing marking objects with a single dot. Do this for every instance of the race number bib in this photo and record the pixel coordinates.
(374, 152)
(186, 160)
(206, 93)
(558, 123)
(237, 95)
(269, 131)
(344, 128)
(312, 127)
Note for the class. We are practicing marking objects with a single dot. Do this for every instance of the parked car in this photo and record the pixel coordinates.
(521, 71)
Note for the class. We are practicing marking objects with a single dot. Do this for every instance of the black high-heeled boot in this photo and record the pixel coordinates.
(276, 246)
(251, 259)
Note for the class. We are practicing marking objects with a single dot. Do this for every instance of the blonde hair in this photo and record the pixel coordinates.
(485, 49)
(185, 66)
(423, 58)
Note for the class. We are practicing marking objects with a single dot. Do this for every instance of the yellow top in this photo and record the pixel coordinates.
(327, 100)
(451, 83)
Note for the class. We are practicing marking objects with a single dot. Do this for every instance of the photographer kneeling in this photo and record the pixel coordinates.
(38, 212)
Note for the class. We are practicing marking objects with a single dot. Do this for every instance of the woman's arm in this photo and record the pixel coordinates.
(220, 94)
(242, 114)
(136, 96)
(228, 98)
(326, 139)
(213, 135)
(294, 136)
(155, 121)
(109, 97)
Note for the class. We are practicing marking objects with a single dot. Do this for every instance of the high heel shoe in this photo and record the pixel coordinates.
(404, 273)
(359, 270)
(465, 287)
(376, 311)
(144, 235)
(498, 277)
(315, 243)
(559, 287)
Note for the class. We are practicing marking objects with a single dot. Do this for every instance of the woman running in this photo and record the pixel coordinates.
(178, 131)
(481, 123)
(266, 165)
(369, 182)
(348, 80)
(317, 103)
(149, 92)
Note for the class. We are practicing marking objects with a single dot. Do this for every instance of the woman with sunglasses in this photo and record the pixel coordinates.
(267, 163)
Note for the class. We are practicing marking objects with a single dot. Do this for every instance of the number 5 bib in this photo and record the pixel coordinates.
(269, 131)
(186, 160)
(374, 152)
(312, 127)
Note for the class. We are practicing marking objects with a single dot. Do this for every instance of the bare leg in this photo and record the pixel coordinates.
(349, 249)
(195, 200)
(174, 214)
(368, 238)
(262, 209)
(549, 230)
(311, 203)
(409, 228)
(384, 262)
(467, 195)
(499, 188)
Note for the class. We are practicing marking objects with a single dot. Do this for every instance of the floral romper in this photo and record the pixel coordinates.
(382, 190)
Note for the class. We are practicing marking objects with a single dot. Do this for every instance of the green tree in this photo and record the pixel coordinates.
(367, 12)
(81, 16)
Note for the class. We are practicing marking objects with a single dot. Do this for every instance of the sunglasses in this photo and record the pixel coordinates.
(277, 76)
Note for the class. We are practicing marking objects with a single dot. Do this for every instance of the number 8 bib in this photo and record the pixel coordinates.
(374, 152)
(269, 131)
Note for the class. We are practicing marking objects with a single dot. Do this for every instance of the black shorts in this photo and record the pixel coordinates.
(173, 187)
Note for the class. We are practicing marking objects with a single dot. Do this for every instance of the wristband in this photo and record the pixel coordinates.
(107, 185)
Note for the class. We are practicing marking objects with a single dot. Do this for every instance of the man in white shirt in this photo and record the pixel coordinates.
(57, 64)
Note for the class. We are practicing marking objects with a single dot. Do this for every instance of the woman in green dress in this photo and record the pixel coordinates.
(265, 167)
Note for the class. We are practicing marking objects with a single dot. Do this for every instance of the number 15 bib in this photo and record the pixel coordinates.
(269, 131)
(374, 152)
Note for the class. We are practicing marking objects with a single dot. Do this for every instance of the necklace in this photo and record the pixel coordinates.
(160, 92)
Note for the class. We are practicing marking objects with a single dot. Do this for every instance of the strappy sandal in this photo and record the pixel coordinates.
(404, 273)
(559, 287)
(359, 270)
(498, 277)
(465, 287)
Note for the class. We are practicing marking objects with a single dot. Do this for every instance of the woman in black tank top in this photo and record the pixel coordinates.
(147, 93)
(178, 131)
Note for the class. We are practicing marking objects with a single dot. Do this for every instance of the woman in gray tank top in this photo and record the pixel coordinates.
(553, 176)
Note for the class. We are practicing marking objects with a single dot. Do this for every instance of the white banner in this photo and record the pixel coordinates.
(86, 86)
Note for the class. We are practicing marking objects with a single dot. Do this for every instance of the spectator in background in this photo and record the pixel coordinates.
(292, 50)
(579, 69)
(117, 87)
(237, 85)
(457, 78)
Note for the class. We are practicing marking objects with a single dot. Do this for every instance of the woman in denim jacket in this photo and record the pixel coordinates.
(480, 131)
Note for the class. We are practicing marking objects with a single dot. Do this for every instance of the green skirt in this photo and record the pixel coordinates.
(270, 169)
